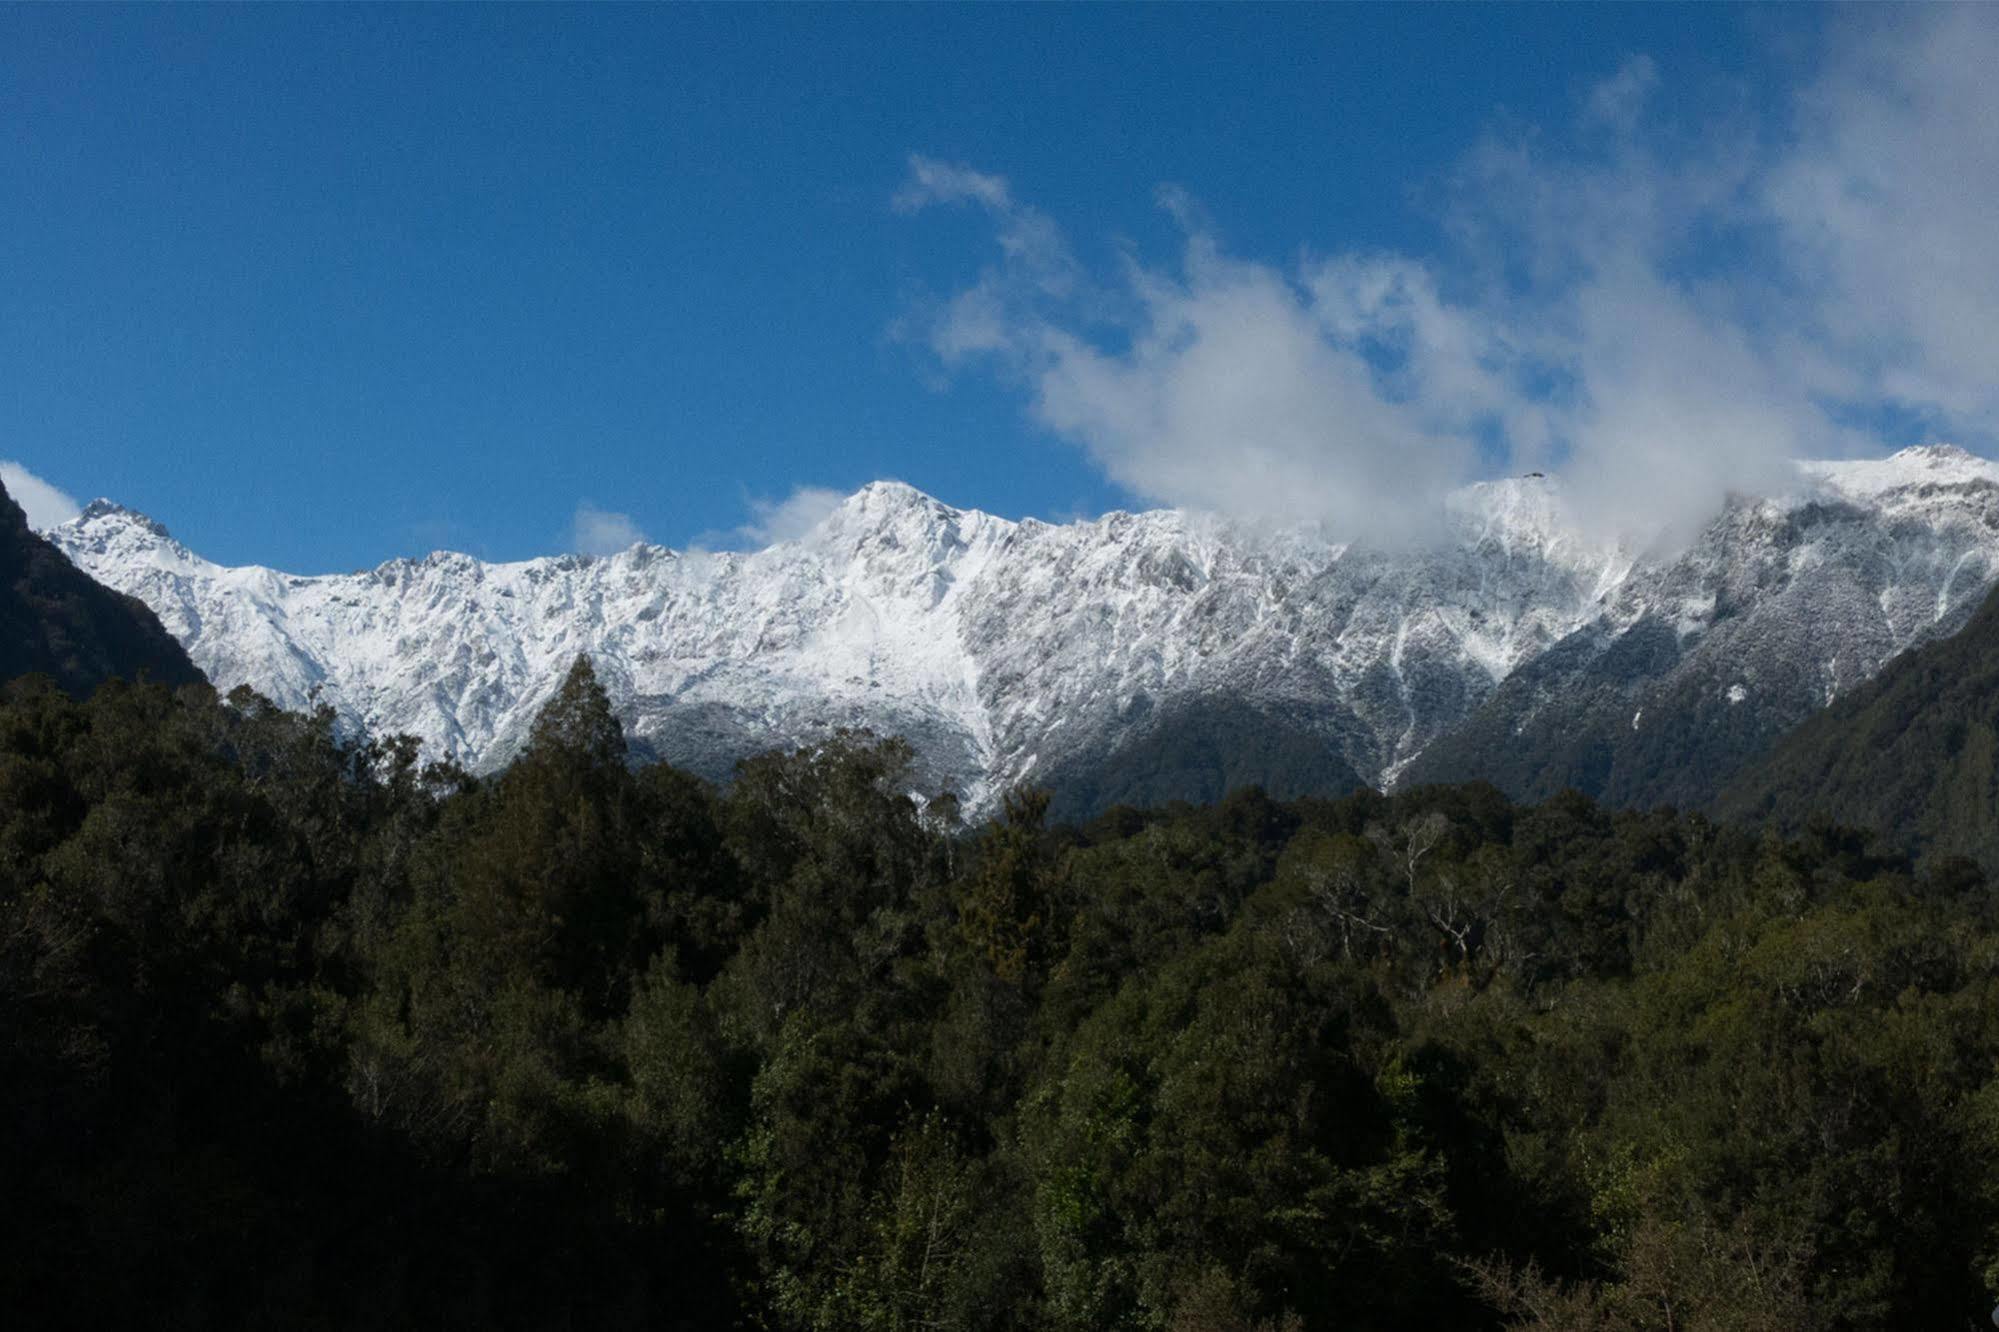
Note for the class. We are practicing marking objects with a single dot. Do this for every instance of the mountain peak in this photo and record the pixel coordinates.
(890, 511)
(895, 496)
(1922, 465)
(1933, 455)
(104, 508)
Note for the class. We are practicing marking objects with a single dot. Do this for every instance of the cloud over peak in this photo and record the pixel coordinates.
(596, 531)
(788, 519)
(1663, 315)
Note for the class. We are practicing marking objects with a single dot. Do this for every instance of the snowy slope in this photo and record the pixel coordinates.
(1699, 662)
(1009, 651)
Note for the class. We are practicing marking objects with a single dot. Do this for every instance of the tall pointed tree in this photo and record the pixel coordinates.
(577, 725)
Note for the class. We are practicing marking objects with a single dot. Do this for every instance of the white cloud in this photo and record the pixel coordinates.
(1674, 379)
(1662, 315)
(790, 518)
(934, 182)
(1230, 396)
(45, 505)
(598, 531)
(1888, 199)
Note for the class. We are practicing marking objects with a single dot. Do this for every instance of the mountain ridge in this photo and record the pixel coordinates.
(1017, 650)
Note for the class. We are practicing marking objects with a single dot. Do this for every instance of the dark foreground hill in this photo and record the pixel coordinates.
(62, 623)
(1913, 752)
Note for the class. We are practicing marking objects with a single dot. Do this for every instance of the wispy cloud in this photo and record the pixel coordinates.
(1663, 316)
(45, 505)
(598, 531)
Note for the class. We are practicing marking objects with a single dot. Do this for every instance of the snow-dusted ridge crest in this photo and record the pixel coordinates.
(1015, 650)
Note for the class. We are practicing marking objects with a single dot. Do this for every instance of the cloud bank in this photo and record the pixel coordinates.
(45, 505)
(1664, 314)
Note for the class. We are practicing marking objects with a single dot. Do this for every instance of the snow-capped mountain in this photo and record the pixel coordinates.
(1697, 664)
(1134, 656)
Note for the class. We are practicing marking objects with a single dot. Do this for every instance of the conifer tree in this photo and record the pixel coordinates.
(577, 724)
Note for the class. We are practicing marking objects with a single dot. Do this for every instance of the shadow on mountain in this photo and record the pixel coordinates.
(1198, 752)
(1914, 751)
(57, 621)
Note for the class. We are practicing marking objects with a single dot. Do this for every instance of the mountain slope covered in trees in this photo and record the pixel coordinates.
(1913, 753)
(60, 622)
(299, 1031)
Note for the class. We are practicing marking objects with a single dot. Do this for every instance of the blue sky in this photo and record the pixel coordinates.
(321, 286)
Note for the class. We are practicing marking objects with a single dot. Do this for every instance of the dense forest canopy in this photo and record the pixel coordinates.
(303, 1031)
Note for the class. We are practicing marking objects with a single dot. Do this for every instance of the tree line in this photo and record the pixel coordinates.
(304, 1030)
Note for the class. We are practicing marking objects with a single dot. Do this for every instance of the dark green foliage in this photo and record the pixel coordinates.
(1915, 752)
(1199, 752)
(1553, 727)
(297, 1031)
(57, 621)
(1007, 913)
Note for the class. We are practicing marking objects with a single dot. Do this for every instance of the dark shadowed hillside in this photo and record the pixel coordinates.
(1633, 720)
(1914, 752)
(1199, 752)
(57, 620)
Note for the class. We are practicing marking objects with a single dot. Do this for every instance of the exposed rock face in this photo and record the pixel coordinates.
(1138, 656)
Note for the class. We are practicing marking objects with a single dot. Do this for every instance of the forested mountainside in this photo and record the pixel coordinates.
(62, 623)
(301, 1031)
(1139, 656)
(1913, 753)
